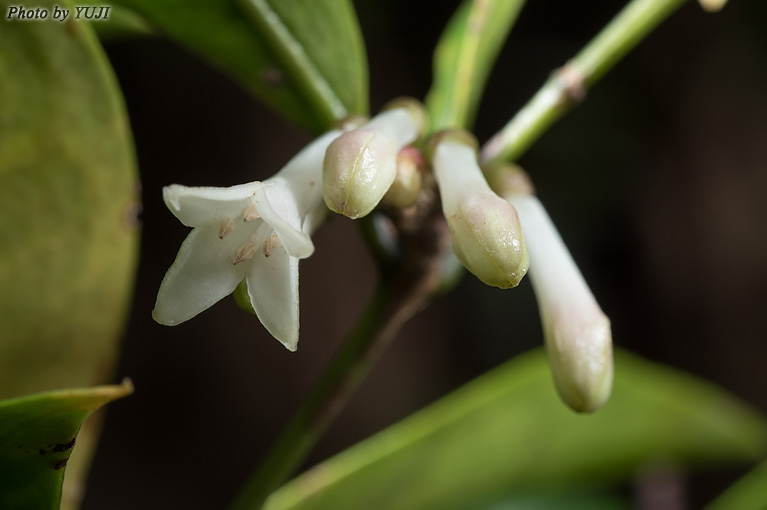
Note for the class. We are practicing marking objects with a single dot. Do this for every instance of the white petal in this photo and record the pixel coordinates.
(277, 207)
(273, 290)
(315, 218)
(306, 166)
(196, 205)
(201, 275)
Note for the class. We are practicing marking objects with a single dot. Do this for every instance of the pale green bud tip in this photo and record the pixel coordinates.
(580, 352)
(359, 168)
(487, 237)
(712, 5)
(407, 184)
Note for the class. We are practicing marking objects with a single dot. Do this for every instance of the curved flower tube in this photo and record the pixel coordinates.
(257, 232)
(577, 333)
(484, 228)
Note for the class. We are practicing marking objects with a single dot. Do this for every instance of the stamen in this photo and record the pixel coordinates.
(227, 225)
(270, 243)
(244, 252)
(250, 212)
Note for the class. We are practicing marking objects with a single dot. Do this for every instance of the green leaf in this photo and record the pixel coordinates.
(68, 204)
(37, 434)
(557, 500)
(305, 58)
(508, 432)
(464, 58)
(748, 493)
(69, 199)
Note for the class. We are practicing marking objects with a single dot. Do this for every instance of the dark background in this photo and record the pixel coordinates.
(657, 183)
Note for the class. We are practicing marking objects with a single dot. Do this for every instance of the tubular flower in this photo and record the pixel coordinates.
(361, 164)
(485, 230)
(576, 331)
(257, 232)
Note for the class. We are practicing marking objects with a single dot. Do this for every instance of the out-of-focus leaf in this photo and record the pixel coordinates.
(507, 431)
(464, 58)
(748, 493)
(305, 58)
(122, 23)
(557, 500)
(68, 204)
(37, 434)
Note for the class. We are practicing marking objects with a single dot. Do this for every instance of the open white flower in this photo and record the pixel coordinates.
(485, 230)
(576, 331)
(257, 232)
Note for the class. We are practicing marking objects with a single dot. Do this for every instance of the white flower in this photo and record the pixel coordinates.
(361, 164)
(257, 232)
(577, 332)
(484, 228)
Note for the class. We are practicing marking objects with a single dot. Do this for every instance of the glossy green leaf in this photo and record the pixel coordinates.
(507, 431)
(748, 493)
(37, 435)
(305, 58)
(464, 58)
(68, 205)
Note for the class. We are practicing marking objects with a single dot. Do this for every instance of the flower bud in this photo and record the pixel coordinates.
(712, 5)
(576, 331)
(509, 179)
(361, 164)
(487, 237)
(407, 184)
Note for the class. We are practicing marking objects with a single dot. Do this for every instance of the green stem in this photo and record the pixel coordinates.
(397, 298)
(321, 406)
(568, 85)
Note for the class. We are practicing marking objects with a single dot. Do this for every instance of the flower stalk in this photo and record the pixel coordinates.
(403, 290)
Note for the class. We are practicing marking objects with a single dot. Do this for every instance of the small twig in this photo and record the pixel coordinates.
(568, 85)
(404, 289)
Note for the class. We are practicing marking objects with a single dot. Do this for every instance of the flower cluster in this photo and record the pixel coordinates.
(258, 232)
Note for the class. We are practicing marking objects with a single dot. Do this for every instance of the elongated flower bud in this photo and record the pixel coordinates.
(577, 332)
(361, 164)
(487, 237)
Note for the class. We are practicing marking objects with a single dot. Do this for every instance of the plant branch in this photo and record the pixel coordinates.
(404, 289)
(568, 85)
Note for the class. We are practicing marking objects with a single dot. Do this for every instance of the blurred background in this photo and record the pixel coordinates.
(658, 183)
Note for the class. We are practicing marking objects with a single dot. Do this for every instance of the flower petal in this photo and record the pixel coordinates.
(196, 205)
(201, 275)
(273, 291)
(303, 173)
(277, 207)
